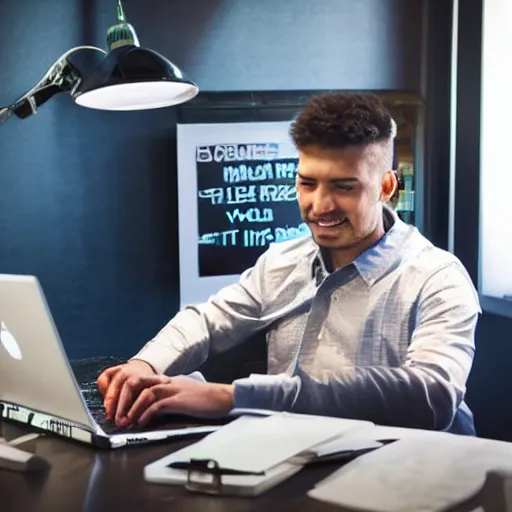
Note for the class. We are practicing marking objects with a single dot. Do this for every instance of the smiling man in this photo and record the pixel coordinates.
(365, 319)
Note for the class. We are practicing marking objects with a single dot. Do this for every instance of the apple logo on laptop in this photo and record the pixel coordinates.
(9, 342)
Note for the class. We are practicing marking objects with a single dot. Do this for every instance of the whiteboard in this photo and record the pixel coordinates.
(254, 165)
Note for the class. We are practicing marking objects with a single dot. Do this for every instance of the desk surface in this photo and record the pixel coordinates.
(83, 479)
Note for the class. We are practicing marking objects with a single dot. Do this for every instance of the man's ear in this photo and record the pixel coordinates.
(388, 186)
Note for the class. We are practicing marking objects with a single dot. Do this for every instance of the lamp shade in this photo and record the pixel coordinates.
(134, 78)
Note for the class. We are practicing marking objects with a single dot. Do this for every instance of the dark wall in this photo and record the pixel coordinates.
(88, 198)
(490, 382)
(229, 45)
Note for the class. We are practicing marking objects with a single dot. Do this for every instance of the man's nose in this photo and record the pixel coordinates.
(323, 202)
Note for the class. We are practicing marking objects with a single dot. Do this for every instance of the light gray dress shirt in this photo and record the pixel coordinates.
(388, 338)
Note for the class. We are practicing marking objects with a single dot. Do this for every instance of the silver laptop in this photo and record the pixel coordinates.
(38, 386)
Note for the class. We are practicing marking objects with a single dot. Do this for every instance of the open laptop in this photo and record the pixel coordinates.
(38, 386)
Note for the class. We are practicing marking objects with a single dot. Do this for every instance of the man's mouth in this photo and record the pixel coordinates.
(330, 223)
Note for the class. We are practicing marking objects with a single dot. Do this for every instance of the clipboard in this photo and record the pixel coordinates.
(250, 455)
(208, 477)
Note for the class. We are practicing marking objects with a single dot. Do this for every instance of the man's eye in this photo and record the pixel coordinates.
(346, 188)
(307, 184)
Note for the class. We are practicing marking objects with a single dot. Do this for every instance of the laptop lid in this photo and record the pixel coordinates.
(34, 369)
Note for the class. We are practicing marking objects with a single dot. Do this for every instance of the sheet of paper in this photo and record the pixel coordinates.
(259, 443)
(424, 473)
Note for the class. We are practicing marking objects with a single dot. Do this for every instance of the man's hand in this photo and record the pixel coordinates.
(120, 386)
(181, 395)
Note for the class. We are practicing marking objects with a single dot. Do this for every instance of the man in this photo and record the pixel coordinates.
(364, 319)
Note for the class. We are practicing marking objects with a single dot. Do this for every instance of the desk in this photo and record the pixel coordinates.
(83, 479)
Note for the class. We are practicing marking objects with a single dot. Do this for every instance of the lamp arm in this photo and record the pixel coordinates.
(62, 76)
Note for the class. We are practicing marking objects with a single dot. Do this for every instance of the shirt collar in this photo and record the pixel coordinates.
(377, 260)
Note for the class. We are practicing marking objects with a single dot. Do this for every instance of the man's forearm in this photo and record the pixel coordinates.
(406, 397)
(180, 347)
(225, 320)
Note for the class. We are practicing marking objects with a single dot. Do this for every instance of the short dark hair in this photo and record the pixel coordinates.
(340, 119)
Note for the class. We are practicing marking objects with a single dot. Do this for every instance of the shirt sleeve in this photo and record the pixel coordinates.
(225, 320)
(425, 392)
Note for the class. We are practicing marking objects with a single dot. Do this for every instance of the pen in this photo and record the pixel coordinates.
(208, 466)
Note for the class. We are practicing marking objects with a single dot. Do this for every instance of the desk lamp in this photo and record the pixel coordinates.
(128, 77)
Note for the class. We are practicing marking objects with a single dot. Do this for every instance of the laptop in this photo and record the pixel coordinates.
(38, 387)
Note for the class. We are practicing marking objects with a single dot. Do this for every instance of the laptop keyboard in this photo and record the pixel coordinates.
(86, 373)
(95, 406)
(94, 401)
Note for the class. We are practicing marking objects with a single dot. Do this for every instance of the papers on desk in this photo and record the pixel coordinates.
(395, 469)
(251, 454)
(423, 471)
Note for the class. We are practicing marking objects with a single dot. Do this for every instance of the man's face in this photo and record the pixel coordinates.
(340, 193)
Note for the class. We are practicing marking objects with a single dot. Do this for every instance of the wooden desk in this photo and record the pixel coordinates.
(83, 479)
